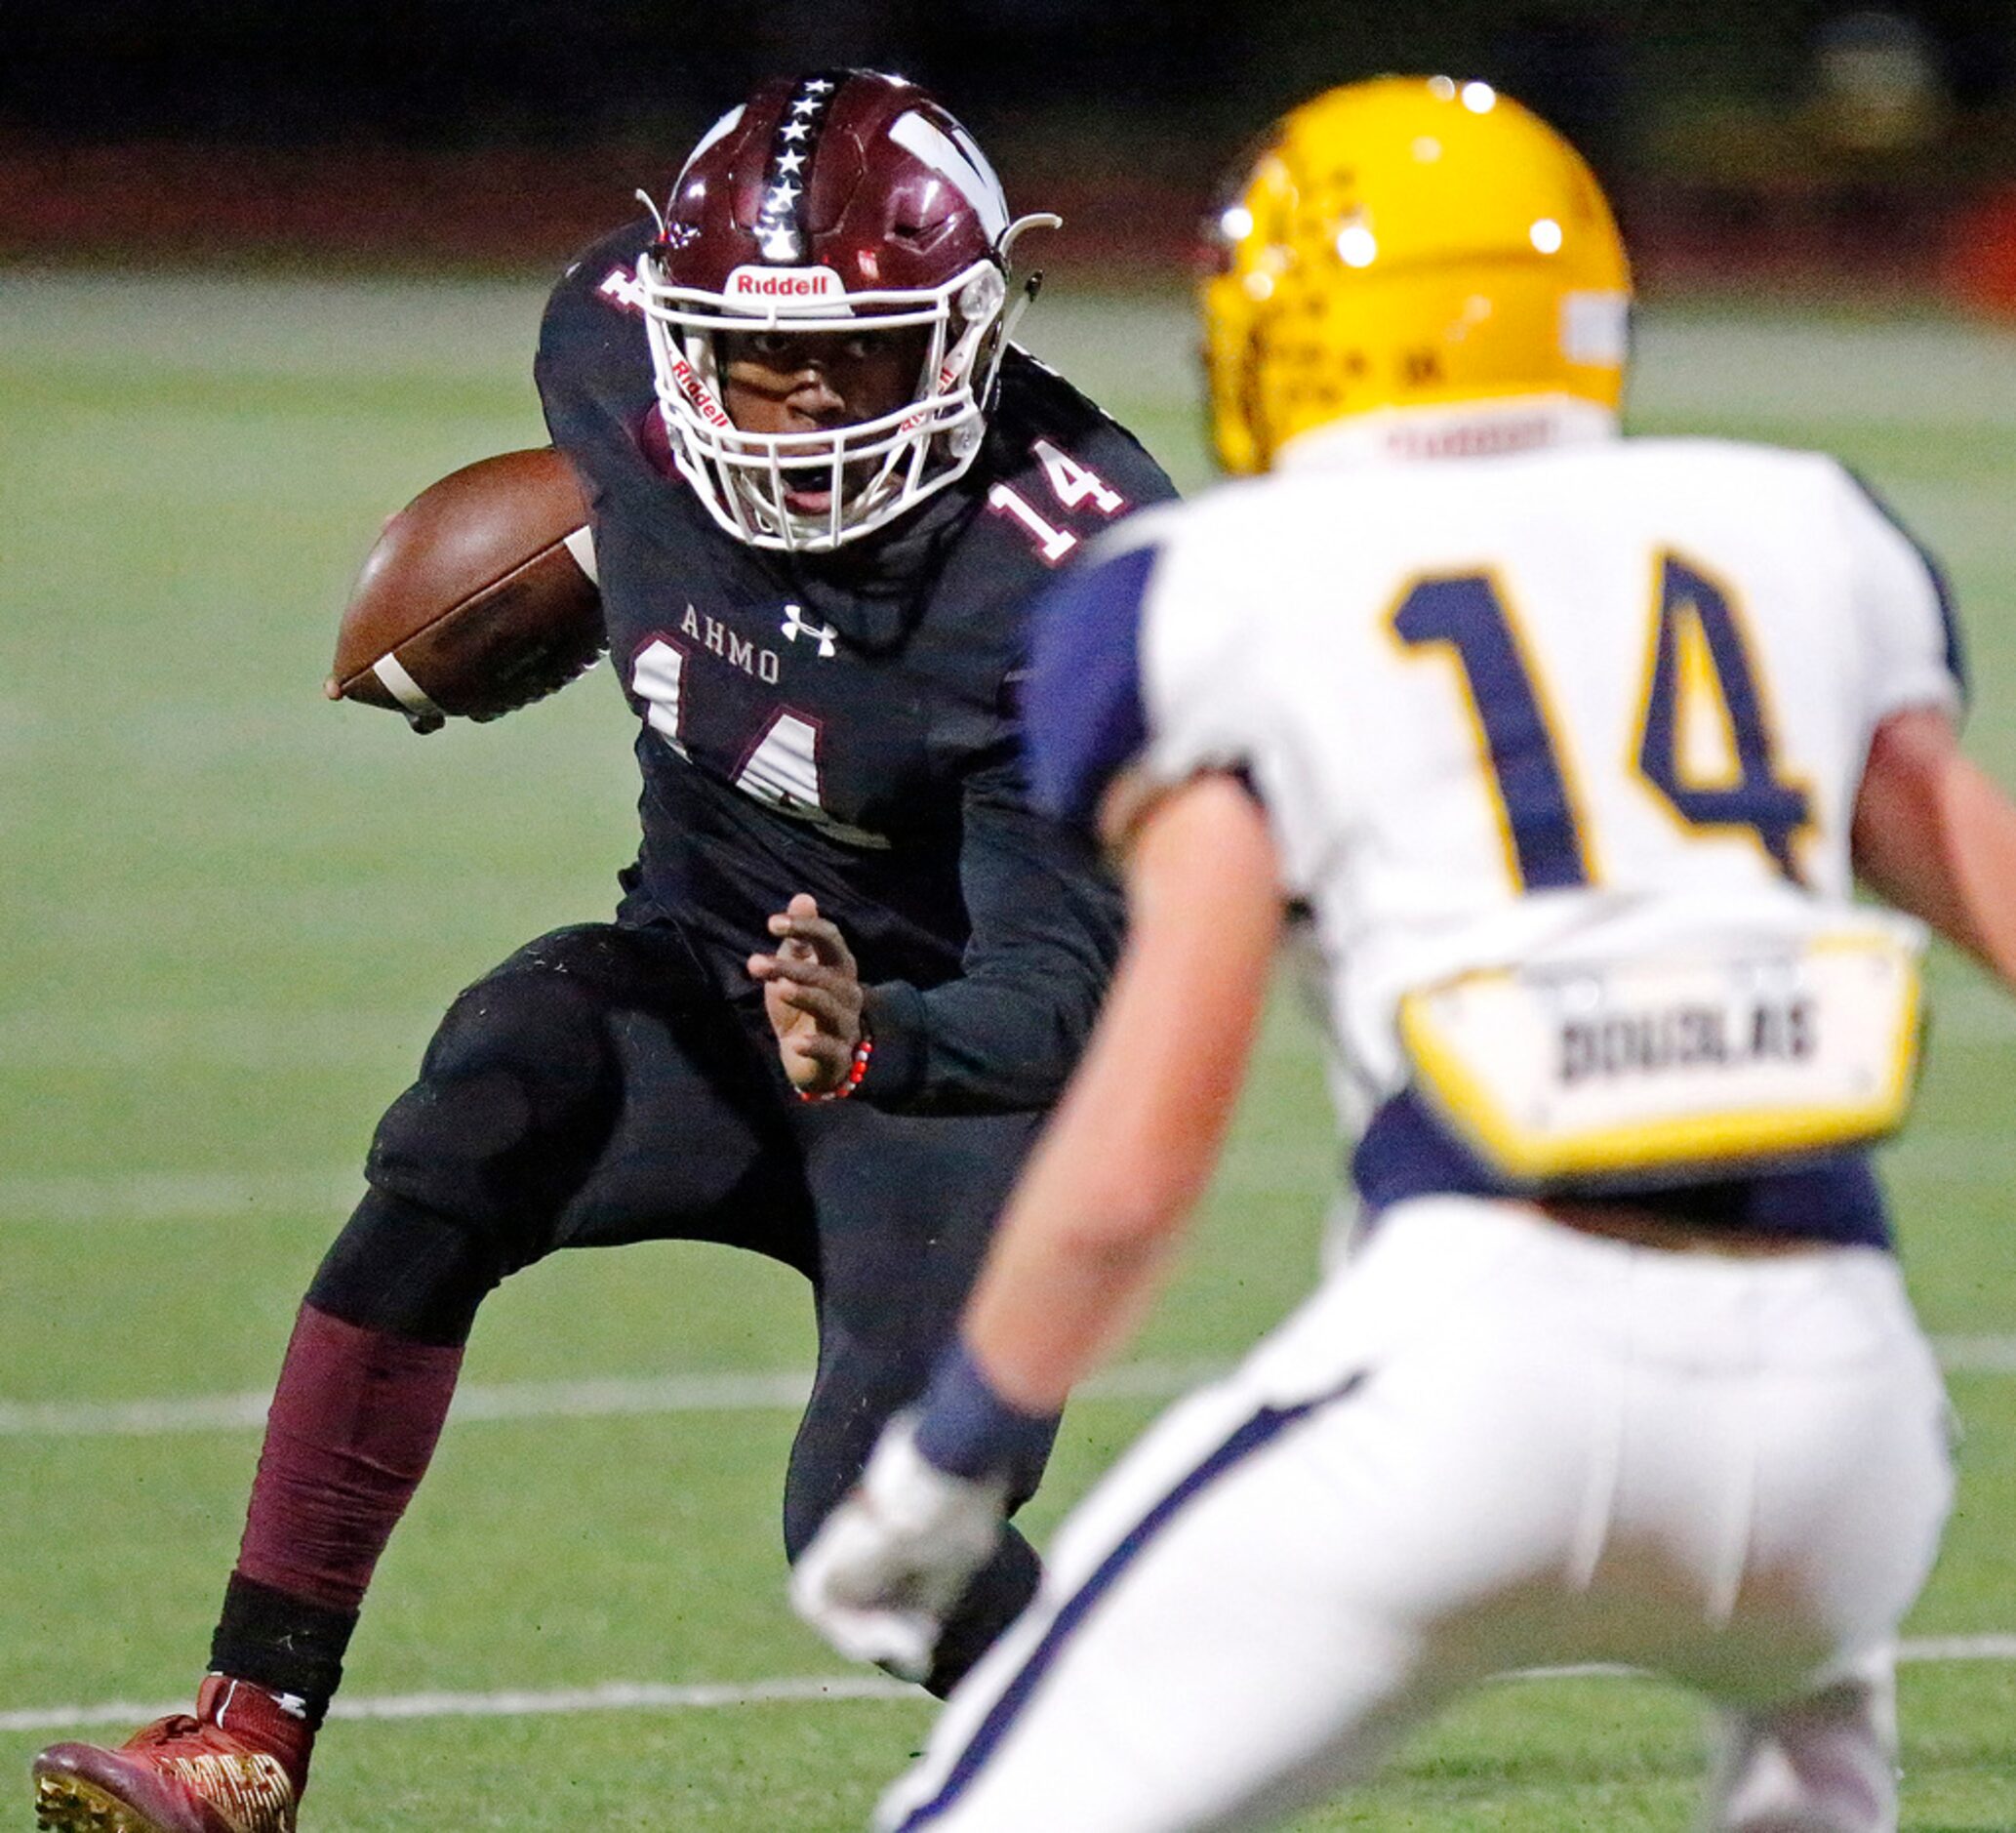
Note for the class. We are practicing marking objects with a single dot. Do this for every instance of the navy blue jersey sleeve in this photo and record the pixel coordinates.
(1046, 917)
(1902, 585)
(1083, 717)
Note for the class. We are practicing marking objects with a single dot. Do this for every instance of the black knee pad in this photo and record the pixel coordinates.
(515, 1098)
(409, 1272)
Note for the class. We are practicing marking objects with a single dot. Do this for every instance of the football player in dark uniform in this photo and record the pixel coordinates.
(850, 967)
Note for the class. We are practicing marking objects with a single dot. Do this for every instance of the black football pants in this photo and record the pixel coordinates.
(597, 1088)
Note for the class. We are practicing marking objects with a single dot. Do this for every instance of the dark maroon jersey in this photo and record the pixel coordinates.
(846, 724)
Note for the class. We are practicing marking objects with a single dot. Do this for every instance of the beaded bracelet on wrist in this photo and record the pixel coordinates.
(855, 1070)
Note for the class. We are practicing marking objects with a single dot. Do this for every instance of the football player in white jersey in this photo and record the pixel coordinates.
(1575, 745)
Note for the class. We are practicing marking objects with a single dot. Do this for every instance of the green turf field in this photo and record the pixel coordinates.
(230, 914)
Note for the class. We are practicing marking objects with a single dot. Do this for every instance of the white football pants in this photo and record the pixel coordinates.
(1487, 1442)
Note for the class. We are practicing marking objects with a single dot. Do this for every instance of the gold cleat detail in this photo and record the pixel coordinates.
(68, 1804)
(238, 1793)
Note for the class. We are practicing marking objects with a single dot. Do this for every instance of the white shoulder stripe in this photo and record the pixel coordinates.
(976, 181)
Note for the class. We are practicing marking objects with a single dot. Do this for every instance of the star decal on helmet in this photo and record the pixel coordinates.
(782, 231)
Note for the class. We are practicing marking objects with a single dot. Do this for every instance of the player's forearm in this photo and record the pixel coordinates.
(1133, 1143)
(1079, 1256)
(1005, 1036)
(1971, 898)
(1937, 837)
(985, 1043)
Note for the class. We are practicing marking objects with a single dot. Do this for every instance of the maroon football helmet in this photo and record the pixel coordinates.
(842, 201)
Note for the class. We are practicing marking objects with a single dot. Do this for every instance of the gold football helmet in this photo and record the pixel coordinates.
(1407, 242)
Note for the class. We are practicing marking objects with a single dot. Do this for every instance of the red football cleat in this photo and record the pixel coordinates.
(182, 1775)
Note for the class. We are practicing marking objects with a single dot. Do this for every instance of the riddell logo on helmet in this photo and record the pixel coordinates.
(698, 397)
(786, 283)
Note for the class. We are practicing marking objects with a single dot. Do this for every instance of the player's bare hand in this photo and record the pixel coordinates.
(813, 995)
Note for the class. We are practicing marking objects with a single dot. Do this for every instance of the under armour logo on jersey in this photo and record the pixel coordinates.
(794, 625)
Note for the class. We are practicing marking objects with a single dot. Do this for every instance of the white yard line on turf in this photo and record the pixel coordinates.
(616, 1697)
(618, 1397)
(650, 1696)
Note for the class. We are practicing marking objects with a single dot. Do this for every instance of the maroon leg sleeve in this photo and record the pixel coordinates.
(353, 1424)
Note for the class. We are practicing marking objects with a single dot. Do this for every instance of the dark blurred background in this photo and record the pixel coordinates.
(1806, 146)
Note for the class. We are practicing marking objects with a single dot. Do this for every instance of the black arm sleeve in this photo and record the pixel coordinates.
(1045, 919)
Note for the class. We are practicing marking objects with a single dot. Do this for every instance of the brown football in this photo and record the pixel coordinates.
(477, 598)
